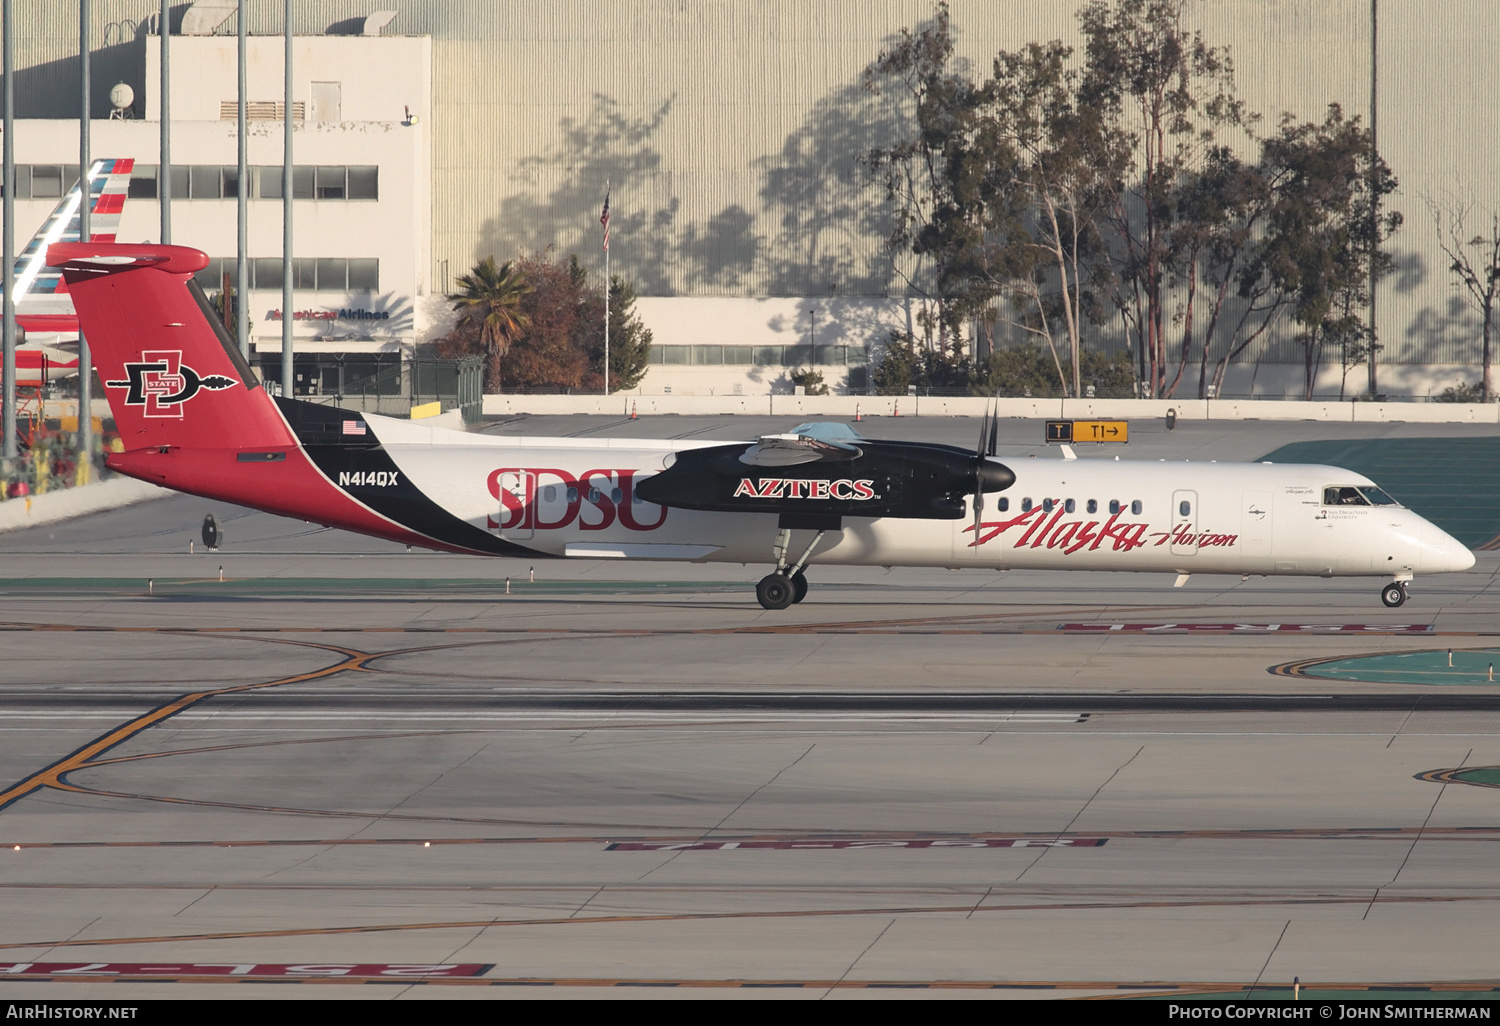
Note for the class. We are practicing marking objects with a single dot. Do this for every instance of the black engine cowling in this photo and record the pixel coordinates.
(909, 480)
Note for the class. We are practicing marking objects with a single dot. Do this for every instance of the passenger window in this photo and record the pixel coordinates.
(1070, 505)
(1026, 505)
(1003, 505)
(549, 493)
(572, 495)
(1047, 505)
(1114, 505)
(1093, 506)
(594, 496)
(615, 495)
(1185, 508)
(1135, 507)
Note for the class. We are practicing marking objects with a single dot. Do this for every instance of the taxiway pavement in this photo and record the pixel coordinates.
(346, 761)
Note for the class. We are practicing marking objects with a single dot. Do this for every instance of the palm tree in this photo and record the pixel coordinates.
(491, 300)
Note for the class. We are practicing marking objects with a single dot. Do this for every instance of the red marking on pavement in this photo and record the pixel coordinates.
(789, 845)
(301, 970)
(1250, 628)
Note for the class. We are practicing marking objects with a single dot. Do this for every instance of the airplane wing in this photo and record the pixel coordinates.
(791, 449)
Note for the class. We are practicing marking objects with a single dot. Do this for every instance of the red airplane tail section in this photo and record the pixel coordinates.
(173, 376)
(192, 413)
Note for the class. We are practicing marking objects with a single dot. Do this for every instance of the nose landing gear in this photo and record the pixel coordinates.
(1393, 594)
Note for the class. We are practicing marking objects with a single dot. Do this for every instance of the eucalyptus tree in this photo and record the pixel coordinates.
(1474, 263)
(1168, 92)
(1324, 232)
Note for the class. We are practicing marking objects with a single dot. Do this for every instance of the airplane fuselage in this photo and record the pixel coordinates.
(575, 498)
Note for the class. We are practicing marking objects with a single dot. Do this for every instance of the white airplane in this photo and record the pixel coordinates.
(44, 311)
(193, 417)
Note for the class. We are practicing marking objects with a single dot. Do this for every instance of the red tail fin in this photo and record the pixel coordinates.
(171, 373)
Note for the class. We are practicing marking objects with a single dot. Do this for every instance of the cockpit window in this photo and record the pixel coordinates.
(1378, 497)
(1335, 495)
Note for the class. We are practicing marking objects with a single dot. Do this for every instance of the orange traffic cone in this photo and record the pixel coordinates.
(896, 408)
(632, 409)
(857, 417)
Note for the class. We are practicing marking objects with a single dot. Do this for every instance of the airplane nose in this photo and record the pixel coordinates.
(1441, 552)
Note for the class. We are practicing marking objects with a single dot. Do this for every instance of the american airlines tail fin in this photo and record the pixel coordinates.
(40, 292)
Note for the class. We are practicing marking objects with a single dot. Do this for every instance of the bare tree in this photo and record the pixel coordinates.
(1475, 263)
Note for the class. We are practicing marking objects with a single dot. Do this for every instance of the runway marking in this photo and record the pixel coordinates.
(1474, 776)
(963, 625)
(373, 971)
(1114, 989)
(811, 840)
(1421, 666)
(815, 913)
(859, 844)
(1249, 628)
(51, 776)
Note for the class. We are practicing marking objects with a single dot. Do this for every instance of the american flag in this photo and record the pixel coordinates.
(604, 219)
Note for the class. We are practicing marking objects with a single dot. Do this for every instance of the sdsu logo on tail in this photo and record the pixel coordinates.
(161, 383)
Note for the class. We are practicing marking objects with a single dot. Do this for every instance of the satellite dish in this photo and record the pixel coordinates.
(121, 96)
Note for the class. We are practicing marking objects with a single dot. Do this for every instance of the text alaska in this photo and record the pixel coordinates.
(1044, 530)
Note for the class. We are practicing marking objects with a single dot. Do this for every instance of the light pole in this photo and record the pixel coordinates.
(85, 443)
(286, 214)
(8, 234)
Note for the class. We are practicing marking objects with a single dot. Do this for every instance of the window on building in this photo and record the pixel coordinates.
(330, 182)
(142, 182)
(46, 181)
(304, 180)
(364, 274)
(333, 275)
(266, 182)
(364, 183)
(207, 181)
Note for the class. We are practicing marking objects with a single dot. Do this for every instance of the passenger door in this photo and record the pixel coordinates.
(1255, 525)
(517, 495)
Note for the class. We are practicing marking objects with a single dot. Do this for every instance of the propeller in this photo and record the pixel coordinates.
(988, 477)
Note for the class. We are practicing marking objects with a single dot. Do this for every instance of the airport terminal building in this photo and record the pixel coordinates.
(728, 132)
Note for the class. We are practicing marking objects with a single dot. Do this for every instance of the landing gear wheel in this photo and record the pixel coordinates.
(774, 591)
(1393, 594)
(799, 587)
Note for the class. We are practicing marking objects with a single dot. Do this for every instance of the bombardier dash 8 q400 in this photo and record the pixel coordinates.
(192, 416)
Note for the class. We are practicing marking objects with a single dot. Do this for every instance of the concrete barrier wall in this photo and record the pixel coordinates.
(847, 407)
(76, 502)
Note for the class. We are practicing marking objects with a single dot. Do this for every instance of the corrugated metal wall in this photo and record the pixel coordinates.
(729, 128)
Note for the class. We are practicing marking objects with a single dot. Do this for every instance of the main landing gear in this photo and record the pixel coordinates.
(1393, 594)
(788, 584)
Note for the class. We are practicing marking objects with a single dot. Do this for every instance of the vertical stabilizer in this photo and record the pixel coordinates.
(40, 290)
(173, 377)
